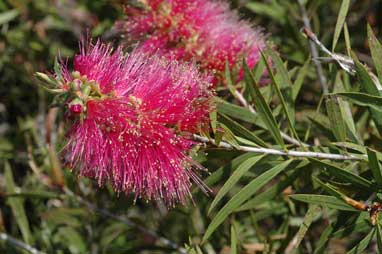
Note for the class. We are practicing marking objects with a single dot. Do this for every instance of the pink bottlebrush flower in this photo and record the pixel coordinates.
(204, 30)
(131, 121)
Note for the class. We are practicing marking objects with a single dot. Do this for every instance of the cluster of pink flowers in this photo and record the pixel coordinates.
(132, 117)
(204, 31)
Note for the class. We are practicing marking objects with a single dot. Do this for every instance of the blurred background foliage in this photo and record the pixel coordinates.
(45, 206)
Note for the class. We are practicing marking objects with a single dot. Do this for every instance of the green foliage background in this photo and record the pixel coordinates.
(262, 203)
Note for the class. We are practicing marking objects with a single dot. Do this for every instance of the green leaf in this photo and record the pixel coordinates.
(363, 99)
(34, 194)
(227, 135)
(300, 79)
(234, 178)
(233, 240)
(322, 123)
(111, 233)
(73, 240)
(366, 80)
(8, 16)
(336, 121)
(287, 105)
(329, 201)
(340, 22)
(376, 51)
(374, 166)
(64, 216)
(274, 10)
(213, 120)
(228, 79)
(262, 107)
(241, 130)
(359, 248)
(347, 40)
(379, 237)
(361, 224)
(367, 100)
(324, 238)
(284, 84)
(332, 190)
(344, 175)
(237, 112)
(349, 121)
(16, 203)
(225, 171)
(276, 189)
(259, 70)
(308, 219)
(243, 195)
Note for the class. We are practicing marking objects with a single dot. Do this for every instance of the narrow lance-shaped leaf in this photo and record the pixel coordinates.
(227, 134)
(284, 84)
(329, 188)
(374, 166)
(225, 171)
(376, 51)
(233, 240)
(324, 200)
(345, 110)
(347, 40)
(241, 130)
(324, 238)
(368, 81)
(259, 70)
(228, 79)
(336, 121)
(363, 99)
(17, 206)
(234, 178)
(359, 248)
(379, 237)
(287, 107)
(308, 219)
(243, 195)
(360, 225)
(276, 189)
(262, 107)
(238, 112)
(344, 175)
(340, 21)
(300, 79)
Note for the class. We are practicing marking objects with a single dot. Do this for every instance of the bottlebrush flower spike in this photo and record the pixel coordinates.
(131, 119)
(204, 30)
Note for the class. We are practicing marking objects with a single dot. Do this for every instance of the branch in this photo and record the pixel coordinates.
(19, 244)
(313, 50)
(285, 136)
(346, 63)
(289, 153)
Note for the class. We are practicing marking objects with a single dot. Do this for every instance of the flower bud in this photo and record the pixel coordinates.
(86, 90)
(75, 106)
(76, 74)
